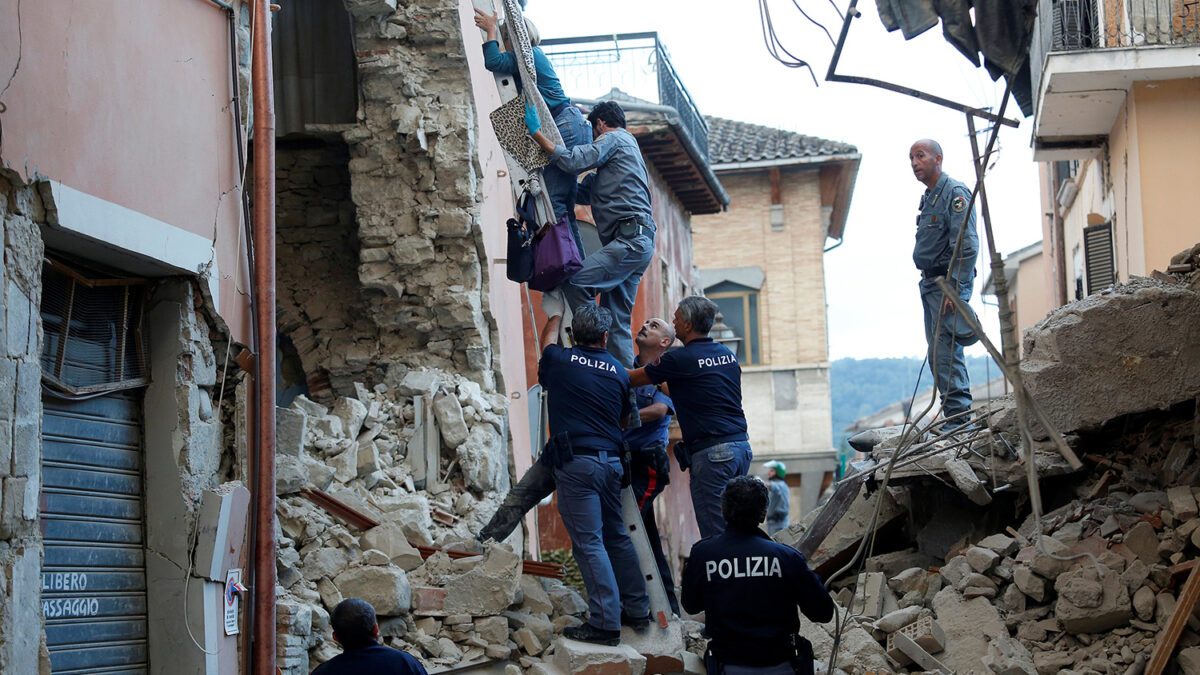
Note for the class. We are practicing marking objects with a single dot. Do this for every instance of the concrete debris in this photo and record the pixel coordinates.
(1084, 589)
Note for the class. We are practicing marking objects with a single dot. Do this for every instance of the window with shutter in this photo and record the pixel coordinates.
(1099, 258)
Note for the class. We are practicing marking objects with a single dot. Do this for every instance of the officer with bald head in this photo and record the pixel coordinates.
(944, 212)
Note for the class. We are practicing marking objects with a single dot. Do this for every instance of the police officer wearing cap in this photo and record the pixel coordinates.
(704, 380)
(749, 588)
(943, 214)
(588, 397)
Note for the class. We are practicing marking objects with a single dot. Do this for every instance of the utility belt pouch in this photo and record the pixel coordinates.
(683, 456)
(804, 658)
(711, 665)
(628, 226)
(557, 452)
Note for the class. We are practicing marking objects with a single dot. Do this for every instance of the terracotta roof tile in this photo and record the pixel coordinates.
(730, 142)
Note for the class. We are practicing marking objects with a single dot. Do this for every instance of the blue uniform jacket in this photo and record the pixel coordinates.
(375, 659)
(749, 588)
(943, 213)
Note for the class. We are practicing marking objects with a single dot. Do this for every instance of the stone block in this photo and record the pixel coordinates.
(572, 656)
(19, 308)
(539, 624)
(309, 407)
(566, 600)
(1188, 661)
(386, 588)
(320, 474)
(449, 414)
(1143, 603)
(894, 621)
(982, 560)
(290, 427)
(1183, 502)
(483, 458)
(1006, 656)
(389, 538)
(956, 569)
(427, 600)
(493, 629)
(967, 482)
(535, 598)
(290, 475)
(489, 587)
(1143, 541)
(911, 579)
(1000, 543)
(1089, 603)
(345, 464)
(419, 383)
(528, 641)
(662, 647)
(324, 562)
(368, 458)
(1046, 566)
(1052, 663)
(969, 625)
(351, 412)
(871, 595)
(1099, 345)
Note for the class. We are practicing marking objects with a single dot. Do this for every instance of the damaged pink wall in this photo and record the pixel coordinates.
(156, 137)
(495, 207)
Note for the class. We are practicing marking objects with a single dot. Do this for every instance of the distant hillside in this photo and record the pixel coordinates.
(862, 386)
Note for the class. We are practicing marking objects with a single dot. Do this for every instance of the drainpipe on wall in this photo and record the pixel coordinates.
(1060, 247)
(263, 589)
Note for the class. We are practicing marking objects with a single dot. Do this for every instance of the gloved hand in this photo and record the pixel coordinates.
(553, 303)
(531, 118)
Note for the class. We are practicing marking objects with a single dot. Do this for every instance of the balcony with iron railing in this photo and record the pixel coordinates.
(1086, 54)
(637, 64)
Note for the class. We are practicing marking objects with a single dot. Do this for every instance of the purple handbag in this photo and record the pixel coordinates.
(555, 256)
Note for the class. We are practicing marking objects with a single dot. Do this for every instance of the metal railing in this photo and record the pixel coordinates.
(1072, 25)
(635, 63)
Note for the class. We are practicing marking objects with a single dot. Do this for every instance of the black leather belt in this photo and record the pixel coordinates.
(933, 273)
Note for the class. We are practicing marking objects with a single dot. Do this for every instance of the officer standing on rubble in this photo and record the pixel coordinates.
(943, 213)
(588, 397)
(749, 588)
(619, 194)
(705, 382)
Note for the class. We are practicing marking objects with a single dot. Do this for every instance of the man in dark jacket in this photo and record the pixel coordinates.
(749, 588)
(354, 628)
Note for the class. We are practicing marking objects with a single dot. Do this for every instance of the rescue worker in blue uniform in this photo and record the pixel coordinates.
(749, 588)
(649, 467)
(705, 382)
(943, 213)
(588, 398)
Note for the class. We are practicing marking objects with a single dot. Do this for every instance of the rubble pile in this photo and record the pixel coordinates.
(364, 452)
(1086, 590)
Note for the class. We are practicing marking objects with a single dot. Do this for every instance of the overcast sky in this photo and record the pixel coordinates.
(717, 48)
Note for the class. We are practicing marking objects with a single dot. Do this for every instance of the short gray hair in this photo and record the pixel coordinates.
(698, 311)
(589, 323)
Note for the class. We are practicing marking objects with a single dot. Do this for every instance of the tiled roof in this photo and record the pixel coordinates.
(730, 142)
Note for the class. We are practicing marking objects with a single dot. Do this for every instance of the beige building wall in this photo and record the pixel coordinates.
(786, 395)
(792, 300)
(1145, 183)
(1168, 126)
(1034, 298)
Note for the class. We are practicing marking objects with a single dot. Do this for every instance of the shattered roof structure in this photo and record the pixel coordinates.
(732, 142)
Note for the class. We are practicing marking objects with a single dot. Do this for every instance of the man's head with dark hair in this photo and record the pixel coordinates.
(589, 324)
(744, 502)
(694, 317)
(610, 113)
(354, 625)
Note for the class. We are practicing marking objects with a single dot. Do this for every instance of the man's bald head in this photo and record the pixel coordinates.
(925, 157)
(931, 145)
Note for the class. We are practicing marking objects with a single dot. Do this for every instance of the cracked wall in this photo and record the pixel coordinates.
(407, 178)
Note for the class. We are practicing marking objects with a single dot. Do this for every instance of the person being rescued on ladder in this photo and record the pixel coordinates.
(561, 186)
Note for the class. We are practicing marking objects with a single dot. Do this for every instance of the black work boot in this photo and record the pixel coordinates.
(637, 623)
(589, 633)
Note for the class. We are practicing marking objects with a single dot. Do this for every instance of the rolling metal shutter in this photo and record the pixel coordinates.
(1098, 256)
(93, 573)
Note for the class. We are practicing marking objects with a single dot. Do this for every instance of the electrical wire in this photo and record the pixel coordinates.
(816, 23)
(775, 47)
